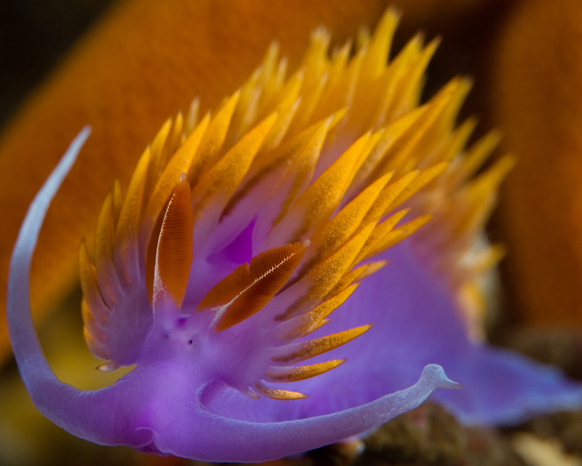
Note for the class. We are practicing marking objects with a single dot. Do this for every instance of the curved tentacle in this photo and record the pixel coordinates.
(80, 413)
(27, 351)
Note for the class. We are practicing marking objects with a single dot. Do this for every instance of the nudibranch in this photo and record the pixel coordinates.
(244, 272)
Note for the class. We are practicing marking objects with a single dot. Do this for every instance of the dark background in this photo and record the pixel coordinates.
(34, 35)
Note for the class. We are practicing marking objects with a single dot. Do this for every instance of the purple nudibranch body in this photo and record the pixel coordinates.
(160, 405)
(217, 273)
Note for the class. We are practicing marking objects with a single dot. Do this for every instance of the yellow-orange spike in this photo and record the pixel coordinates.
(478, 198)
(461, 87)
(178, 164)
(212, 141)
(415, 76)
(487, 259)
(314, 63)
(379, 45)
(287, 109)
(356, 275)
(258, 90)
(374, 89)
(217, 186)
(308, 349)
(303, 166)
(310, 102)
(398, 103)
(370, 146)
(158, 156)
(476, 156)
(454, 143)
(386, 198)
(419, 182)
(379, 98)
(94, 346)
(334, 95)
(427, 131)
(357, 213)
(374, 165)
(250, 287)
(442, 115)
(342, 94)
(105, 230)
(90, 287)
(282, 90)
(191, 120)
(277, 393)
(170, 250)
(340, 228)
(286, 374)
(286, 154)
(152, 251)
(126, 233)
(338, 63)
(177, 135)
(372, 268)
(494, 176)
(318, 202)
(246, 110)
(362, 38)
(159, 144)
(271, 78)
(320, 280)
(103, 252)
(286, 170)
(94, 311)
(93, 325)
(482, 261)
(378, 234)
(95, 337)
(390, 238)
(117, 198)
(307, 323)
(347, 279)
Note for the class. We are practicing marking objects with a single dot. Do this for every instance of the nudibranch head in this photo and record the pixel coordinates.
(225, 273)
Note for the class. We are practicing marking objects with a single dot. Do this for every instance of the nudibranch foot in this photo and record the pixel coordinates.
(256, 441)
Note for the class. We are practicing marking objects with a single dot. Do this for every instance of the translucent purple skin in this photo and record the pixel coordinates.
(174, 402)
